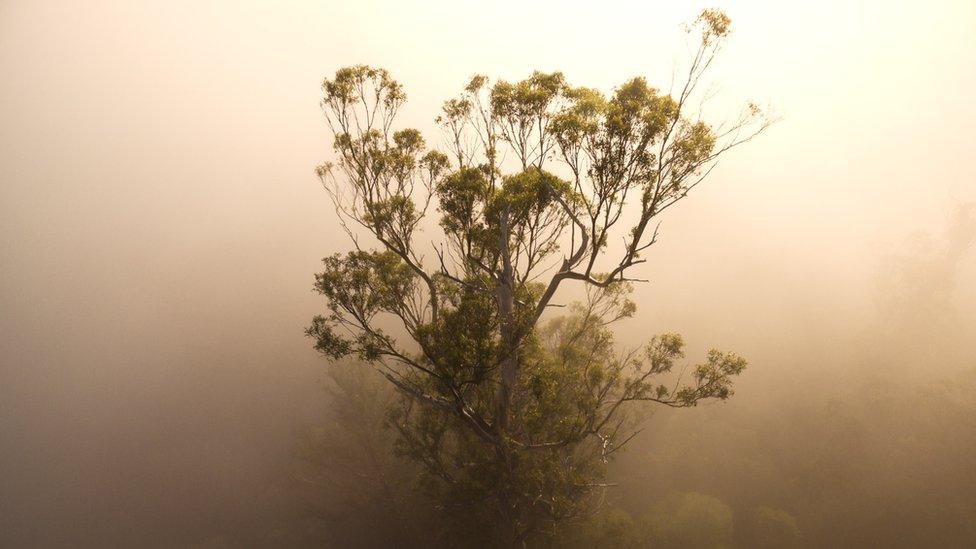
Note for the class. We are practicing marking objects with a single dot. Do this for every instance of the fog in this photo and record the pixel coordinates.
(160, 223)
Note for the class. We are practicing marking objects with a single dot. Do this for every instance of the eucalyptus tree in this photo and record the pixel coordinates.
(513, 411)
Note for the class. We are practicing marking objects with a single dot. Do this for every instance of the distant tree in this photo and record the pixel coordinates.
(355, 489)
(689, 521)
(610, 527)
(513, 416)
(771, 528)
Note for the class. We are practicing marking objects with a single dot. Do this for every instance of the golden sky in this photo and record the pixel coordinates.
(141, 134)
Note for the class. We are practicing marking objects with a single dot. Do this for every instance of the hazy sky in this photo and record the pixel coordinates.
(160, 220)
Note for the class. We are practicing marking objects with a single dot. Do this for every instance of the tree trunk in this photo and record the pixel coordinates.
(509, 345)
(503, 398)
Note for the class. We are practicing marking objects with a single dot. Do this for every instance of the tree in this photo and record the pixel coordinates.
(772, 528)
(513, 415)
(689, 520)
(354, 488)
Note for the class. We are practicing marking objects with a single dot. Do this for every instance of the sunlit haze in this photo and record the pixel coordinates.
(160, 223)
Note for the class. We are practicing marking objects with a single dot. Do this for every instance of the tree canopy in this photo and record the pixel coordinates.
(511, 412)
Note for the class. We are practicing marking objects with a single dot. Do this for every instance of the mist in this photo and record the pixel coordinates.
(160, 223)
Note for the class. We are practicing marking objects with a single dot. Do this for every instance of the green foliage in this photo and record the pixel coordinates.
(526, 195)
(361, 285)
(462, 195)
(472, 207)
(523, 101)
(511, 416)
(713, 24)
(463, 343)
